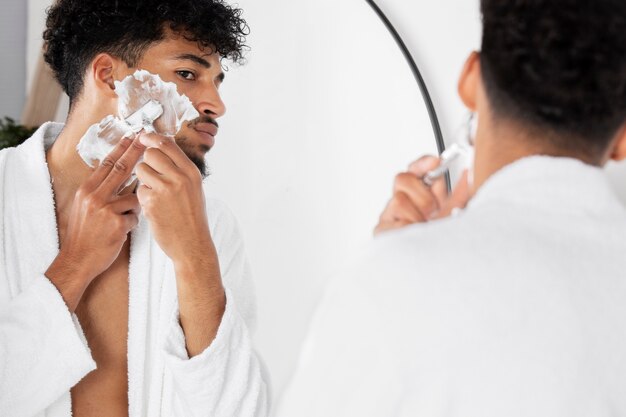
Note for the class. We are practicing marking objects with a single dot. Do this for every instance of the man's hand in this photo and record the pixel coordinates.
(99, 223)
(172, 200)
(415, 202)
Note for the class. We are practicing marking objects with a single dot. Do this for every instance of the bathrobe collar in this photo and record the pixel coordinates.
(549, 182)
(30, 216)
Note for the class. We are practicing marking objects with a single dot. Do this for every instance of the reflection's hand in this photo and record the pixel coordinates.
(415, 202)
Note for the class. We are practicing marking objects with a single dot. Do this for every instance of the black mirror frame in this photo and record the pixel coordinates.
(434, 120)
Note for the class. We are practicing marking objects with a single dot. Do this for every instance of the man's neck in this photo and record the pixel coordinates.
(501, 144)
(67, 169)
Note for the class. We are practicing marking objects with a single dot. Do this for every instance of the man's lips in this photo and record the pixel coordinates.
(207, 131)
(209, 128)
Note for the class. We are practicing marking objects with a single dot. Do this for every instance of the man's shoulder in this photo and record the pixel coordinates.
(423, 259)
(427, 239)
(411, 250)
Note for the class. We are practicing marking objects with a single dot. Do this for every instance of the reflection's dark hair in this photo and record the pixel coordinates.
(78, 30)
(558, 66)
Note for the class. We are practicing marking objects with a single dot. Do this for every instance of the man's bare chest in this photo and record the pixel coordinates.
(103, 315)
(103, 311)
(103, 308)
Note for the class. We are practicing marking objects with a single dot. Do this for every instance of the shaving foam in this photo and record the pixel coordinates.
(145, 102)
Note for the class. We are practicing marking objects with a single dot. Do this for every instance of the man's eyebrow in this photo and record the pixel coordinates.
(200, 61)
(195, 58)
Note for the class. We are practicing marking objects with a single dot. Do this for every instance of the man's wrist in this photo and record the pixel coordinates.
(199, 262)
(200, 269)
(70, 279)
(200, 277)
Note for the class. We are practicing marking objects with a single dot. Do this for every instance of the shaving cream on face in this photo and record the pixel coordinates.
(145, 102)
(101, 138)
(137, 90)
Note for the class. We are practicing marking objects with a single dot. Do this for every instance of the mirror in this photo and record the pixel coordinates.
(321, 119)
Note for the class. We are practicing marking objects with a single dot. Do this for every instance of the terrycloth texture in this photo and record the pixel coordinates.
(43, 351)
(516, 307)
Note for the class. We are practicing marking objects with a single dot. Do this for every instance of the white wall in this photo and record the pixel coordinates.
(36, 23)
(12, 41)
(441, 36)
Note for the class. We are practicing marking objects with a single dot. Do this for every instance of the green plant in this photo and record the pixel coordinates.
(12, 134)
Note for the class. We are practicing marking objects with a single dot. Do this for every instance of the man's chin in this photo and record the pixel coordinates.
(200, 163)
(196, 155)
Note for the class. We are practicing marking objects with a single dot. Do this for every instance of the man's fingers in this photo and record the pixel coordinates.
(401, 208)
(106, 165)
(168, 146)
(405, 209)
(125, 204)
(149, 176)
(425, 164)
(440, 190)
(419, 193)
(459, 197)
(122, 168)
(130, 221)
(127, 209)
(160, 162)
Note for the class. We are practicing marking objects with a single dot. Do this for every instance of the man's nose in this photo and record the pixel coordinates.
(212, 105)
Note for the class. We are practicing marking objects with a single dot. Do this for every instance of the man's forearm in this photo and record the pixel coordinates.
(70, 281)
(201, 300)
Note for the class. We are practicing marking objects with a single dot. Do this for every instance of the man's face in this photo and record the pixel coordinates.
(197, 74)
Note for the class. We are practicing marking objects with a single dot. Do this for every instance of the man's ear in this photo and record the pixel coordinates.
(102, 70)
(618, 153)
(469, 81)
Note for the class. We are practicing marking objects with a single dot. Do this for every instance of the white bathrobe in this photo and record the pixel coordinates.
(515, 307)
(43, 352)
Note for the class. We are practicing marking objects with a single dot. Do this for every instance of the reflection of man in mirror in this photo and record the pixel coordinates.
(515, 306)
(126, 300)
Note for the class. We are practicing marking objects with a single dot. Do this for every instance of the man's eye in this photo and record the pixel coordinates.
(187, 75)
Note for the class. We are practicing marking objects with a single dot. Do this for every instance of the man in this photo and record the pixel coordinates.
(106, 311)
(514, 307)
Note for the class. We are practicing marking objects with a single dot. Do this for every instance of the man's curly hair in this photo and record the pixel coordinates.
(78, 30)
(558, 65)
